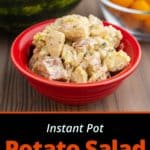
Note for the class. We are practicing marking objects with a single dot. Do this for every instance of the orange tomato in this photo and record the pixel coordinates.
(142, 5)
(125, 3)
(148, 1)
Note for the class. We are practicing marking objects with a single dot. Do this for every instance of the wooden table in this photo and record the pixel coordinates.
(17, 95)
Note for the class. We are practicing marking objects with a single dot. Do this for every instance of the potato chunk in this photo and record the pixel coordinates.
(74, 27)
(52, 41)
(79, 75)
(55, 42)
(84, 45)
(70, 56)
(93, 62)
(39, 40)
(116, 60)
(96, 26)
(112, 35)
(100, 74)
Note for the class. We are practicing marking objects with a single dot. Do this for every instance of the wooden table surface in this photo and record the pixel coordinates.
(17, 95)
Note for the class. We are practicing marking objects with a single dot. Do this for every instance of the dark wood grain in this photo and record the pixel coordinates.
(17, 95)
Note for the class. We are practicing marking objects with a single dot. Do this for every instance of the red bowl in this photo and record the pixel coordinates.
(71, 93)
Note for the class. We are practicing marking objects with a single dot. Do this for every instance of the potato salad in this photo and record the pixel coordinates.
(78, 49)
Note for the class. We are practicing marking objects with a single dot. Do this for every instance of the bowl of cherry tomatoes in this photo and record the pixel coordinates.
(134, 15)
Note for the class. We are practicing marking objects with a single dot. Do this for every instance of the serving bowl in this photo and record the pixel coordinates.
(136, 22)
(71, 93)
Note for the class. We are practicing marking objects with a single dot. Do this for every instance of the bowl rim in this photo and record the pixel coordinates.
(124, 9)
(30, 75)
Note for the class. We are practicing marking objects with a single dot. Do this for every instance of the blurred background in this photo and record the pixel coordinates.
(134, 15)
